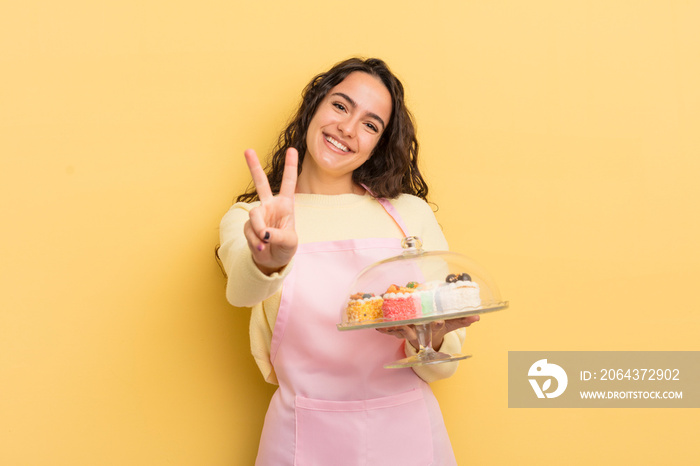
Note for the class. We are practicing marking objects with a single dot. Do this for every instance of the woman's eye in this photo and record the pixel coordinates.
(339, 106)
(372, 127)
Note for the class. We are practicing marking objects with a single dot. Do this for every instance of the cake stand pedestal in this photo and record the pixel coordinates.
(426, 354)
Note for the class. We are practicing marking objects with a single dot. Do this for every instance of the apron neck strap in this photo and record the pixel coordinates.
(391, 210)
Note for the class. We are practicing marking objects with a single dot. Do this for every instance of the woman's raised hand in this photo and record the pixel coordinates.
(270, 231)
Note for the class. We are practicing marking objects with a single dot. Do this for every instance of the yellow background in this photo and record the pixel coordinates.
(560, 139)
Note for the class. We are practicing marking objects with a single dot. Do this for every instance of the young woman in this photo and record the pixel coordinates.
(341, 191)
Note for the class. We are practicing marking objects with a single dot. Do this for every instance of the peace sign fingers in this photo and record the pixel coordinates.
(258, 174)
(270, 231)
(289, 177)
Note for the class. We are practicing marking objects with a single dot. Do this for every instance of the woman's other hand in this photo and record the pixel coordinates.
(439, 329)
(270, 231)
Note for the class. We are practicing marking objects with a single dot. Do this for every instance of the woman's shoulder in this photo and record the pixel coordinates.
(412, 203)
(415, 210)
(239, 208)
(420, 219)
(236, 215)
(247, 206)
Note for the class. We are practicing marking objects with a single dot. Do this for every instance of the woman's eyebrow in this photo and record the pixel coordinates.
(354, 104)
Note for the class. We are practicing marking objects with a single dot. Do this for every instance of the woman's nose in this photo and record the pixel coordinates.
(347, 127)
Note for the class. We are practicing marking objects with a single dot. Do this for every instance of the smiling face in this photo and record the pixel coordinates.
(343, 133)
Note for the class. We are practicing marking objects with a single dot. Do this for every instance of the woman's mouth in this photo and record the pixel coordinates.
(336, 143)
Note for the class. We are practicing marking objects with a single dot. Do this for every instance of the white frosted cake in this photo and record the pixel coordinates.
(458, 293)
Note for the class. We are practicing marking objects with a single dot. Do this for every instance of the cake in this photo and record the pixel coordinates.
(400, 303)
(458, 293)
(364, 307)
(455, 294)
(425, 297)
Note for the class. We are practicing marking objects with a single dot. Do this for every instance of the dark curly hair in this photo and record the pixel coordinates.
(393, 168)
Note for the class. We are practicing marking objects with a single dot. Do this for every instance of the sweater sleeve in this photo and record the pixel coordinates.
(246, 284)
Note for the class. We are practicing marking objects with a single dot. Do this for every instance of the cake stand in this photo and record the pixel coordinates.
(432, 270)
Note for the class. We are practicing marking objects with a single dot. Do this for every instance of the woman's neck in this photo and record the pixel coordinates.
(313, 183)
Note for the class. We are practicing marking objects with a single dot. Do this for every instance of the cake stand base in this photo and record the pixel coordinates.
(426, 354)
(426, 357)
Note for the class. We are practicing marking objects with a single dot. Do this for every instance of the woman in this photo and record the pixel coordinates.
(291, 247)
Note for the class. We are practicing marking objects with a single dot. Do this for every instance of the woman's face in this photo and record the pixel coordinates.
(347, 126)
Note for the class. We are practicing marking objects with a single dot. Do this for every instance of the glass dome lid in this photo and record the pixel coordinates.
(419, 286)
(416, 288)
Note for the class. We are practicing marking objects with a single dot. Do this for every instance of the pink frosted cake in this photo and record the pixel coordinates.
(364, 307)
(459, 293)
(399, 303)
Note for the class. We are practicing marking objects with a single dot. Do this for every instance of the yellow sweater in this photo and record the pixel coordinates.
(322, 218)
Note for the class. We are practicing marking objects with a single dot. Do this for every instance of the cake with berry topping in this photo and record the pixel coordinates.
(364, 307)
(458, 293)
(400, 302)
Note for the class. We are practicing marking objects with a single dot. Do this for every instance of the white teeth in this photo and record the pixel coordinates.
(337, 144)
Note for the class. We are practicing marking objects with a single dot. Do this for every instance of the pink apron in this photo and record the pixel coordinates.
(336, 404)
